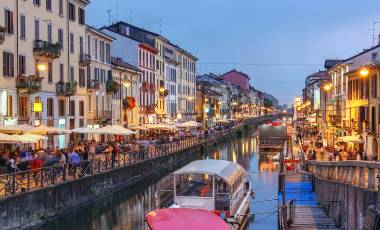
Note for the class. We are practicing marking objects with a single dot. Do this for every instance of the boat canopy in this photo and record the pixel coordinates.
(185, 219)
(227, 170)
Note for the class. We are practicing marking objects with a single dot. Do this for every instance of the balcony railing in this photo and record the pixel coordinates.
(30, 84)
(93, 85)
(2, 34)
(66, 88)
(84, 59)
(47, 49)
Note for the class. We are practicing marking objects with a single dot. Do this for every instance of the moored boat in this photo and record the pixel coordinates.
(215, 185)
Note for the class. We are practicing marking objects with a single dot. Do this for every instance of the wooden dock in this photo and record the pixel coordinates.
(307, 213)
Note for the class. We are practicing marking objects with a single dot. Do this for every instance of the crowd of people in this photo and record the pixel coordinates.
(314, 149)
(21, 158)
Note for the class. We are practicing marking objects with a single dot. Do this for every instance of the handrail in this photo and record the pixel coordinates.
(287, 214)
(359, 173)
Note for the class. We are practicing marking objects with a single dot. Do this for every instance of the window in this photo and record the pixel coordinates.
(72, 74)
(8, 21)
(23, 106)
(48, 5)
(71, 42)
(8, 64)
(102, 51)
(108, 53)
(37, 2)
(89, 102)
(81, 108)
(50, 72)
(36, 29)
(81, 45)
(60, 7)
(61, 108)
(72, 108)
(61, 72)
(22, 27)
(82, 78)
(50, 107)
(60, 37)
(21, 65)
(37, 100)
(89, 44)
(49, 32)
(10, 106)
(81, 16)
(71, 11)
(96, 48)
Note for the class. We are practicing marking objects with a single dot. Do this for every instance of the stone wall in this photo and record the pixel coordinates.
(346, 203)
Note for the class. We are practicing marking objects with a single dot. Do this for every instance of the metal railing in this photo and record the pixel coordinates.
(287, 214)
(24, 181)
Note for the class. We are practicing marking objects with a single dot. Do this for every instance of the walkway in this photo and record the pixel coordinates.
(308, 213)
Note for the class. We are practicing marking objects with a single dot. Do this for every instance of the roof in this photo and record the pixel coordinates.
(116, 61)
(238, 72)
(227, 170)
(329, 63)
(100, 33)
(184, 219)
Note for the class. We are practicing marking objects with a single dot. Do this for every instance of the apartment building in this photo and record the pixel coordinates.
(41, 63)
(186, 85)
(125, 107)
(161, 92)
(96, 59)
(172, 66)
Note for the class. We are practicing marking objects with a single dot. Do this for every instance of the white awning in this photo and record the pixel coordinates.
(113, 130)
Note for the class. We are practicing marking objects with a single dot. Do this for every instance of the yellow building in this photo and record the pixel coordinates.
(100, 85)
(41, 63)
(125, 102)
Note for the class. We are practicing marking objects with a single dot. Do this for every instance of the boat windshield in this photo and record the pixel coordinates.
(194, 184)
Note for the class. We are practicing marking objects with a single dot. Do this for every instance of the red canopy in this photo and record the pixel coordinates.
(185, 219)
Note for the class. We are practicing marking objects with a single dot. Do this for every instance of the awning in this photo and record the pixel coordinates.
(16, 129)
(83, 130)
(113, 130)
(138, 127)
(188, 124)
(45, 130)
(160, 126)
(351, 139)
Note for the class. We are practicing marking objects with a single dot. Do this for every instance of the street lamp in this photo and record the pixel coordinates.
(364, 72)
(41, 66)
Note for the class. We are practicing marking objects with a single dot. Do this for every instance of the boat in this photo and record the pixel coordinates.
(215, 185)
(184, 219)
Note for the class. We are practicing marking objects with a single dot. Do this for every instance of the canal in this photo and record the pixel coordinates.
(125, 209)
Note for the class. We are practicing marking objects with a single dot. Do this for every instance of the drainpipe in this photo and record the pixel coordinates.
(17, 61)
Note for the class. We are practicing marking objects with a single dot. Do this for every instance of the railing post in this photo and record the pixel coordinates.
(371, 178)
(361, 176)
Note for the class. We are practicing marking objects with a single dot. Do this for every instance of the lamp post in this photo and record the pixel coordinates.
(327, 89)
(364, 72)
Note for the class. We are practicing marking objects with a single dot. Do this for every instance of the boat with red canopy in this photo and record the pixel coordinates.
(184, 219)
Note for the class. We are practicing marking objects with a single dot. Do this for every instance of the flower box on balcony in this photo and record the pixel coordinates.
(84, 59)
(47, 49)
(112, 86)
(129, 103)
(66, 88)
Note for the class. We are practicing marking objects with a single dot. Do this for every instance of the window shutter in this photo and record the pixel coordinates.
(11, 64)
(5, 64)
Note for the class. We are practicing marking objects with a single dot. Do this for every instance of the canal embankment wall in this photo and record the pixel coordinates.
(23, 210)
(345, 202)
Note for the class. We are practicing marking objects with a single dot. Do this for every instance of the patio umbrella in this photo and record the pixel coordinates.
(83, 130)
(44, 130)
(188, 124)
(160, 126)
(35, 136)
(113, 130)
(16, 129)
(138, 127)
(8, 139)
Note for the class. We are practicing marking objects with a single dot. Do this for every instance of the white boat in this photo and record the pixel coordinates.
(216, 185)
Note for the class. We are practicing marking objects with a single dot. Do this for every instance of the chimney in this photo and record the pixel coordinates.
(378, 41)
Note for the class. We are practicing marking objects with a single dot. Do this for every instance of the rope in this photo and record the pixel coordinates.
(259, 201)
(259, 213)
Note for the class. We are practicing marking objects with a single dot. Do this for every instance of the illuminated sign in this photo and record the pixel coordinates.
(37, 107)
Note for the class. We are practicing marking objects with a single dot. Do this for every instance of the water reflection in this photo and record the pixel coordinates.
(125, 209)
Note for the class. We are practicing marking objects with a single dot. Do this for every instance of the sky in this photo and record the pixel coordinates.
(277, 42)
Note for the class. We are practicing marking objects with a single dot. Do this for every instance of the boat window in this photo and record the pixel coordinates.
(222, 186)
(198, 185)
(222, 195)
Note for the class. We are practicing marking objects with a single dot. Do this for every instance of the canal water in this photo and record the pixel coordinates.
(125, 209)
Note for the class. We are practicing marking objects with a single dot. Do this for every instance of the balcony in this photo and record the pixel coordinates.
(28, 85)
(46, 49)
(2, 34)
(66, 89)
(84, 59)
(145, 87)
(93, 85)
